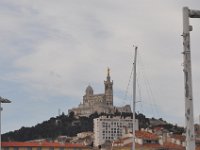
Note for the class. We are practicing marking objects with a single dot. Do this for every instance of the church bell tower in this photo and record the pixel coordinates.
(108, 89)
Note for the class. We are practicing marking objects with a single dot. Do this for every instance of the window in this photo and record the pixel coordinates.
(39, 148)
(61, 148)
(6, 148)
(16, 148)
(29, 148)
(51, 148)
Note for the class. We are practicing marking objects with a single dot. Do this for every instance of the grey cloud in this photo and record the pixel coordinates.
(57, 48)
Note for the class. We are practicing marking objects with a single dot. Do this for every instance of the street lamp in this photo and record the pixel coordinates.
(2, 100)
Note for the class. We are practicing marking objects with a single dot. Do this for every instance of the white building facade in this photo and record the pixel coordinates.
(109, 129)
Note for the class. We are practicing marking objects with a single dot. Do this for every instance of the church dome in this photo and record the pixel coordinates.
(89, 90)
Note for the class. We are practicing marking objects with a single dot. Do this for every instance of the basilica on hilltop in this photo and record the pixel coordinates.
(100, 103)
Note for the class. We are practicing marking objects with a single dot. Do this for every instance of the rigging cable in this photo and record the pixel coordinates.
(127, 88)
(149, 90)
(140, 96)
(138, 90)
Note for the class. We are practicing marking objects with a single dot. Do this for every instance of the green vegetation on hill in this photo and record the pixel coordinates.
(69, 125)
(60, 125)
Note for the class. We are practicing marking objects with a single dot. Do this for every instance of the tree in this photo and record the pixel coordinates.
(71, 115)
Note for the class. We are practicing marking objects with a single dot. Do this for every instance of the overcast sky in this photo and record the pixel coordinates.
(52, 50)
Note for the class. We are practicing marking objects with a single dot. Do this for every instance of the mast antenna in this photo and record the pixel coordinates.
(134, 96)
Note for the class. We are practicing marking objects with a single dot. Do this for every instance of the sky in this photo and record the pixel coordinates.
(52, 50)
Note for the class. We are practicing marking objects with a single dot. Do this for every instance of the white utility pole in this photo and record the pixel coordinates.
(134, 97)
(189, 117)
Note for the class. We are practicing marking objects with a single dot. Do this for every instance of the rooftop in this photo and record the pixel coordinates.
(146, 135)
(40, 144)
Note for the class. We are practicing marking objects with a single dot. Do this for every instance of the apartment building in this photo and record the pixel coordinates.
(111, 128)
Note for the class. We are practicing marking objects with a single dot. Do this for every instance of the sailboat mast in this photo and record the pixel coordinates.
(134, 97)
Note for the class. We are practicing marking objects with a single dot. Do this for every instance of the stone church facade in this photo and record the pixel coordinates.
(100, 103)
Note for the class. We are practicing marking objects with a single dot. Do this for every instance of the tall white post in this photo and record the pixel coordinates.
(134, 97)
(189, 117)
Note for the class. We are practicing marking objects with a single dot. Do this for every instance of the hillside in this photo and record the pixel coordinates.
(68, 125)
(60, 125)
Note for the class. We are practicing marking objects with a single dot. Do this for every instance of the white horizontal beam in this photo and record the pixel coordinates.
(194, 13)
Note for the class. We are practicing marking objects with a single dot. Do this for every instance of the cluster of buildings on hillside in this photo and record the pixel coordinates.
(145, 139)
(111, 133)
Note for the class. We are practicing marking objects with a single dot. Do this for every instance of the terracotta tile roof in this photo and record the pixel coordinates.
(121, 140)
(157, 128)
(146, 135)
(173, 146)
(179, 137)
(152, 146)
(130, 144)
(158, 146)
(39, 144)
